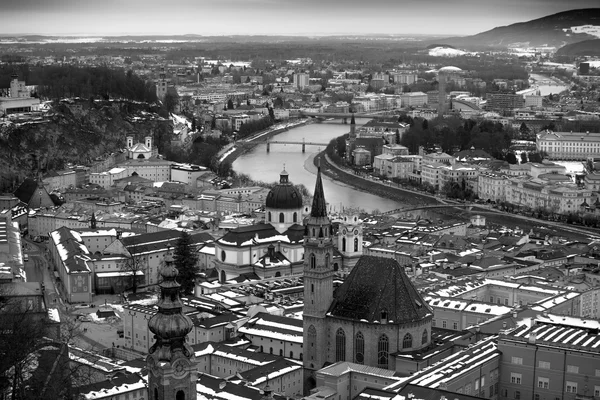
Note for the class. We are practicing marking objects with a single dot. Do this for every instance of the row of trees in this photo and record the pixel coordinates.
(250, 127)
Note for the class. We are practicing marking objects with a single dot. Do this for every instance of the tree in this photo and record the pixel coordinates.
(271, 113)
(171, 101)
(193, 124)
(425, 124)
(230, 104)
(186, 263)
(524, 130)
(511, 158)
(133, 266)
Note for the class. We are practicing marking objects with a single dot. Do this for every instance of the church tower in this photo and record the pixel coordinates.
(171, 362)
(351, 142)
(318, 283)
(350, 239)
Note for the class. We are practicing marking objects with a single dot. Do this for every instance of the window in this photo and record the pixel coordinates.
(515, 378)
(573, 369)
(312, 287)
(340, 345)
(597, 391)
(281, 218)
(598, 372)
(359, 343)
(505, 302)
(327, 261)
(544, 364)
(355, 244)
(223, 255)
(180, 395)
(517, 395)
(407, 341)
(444, 323)
(543, 383)
(424, 337)
(295, 217)
(571, 387)
(313, 261)
(517, 360)
(383, 348)
(536, 397)
(312, 341)
(343, 244)
(269, 215)
(455, 326)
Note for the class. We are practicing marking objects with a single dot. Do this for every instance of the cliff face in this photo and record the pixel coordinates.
(77, 132)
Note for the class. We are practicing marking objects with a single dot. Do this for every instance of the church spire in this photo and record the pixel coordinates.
(169, 325)
(319, 206)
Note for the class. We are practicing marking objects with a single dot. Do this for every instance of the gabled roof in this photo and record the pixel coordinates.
(377, 285)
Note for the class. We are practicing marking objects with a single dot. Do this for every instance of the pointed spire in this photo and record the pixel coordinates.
(319, 206)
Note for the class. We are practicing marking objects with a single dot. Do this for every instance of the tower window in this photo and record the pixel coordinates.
(340, 345)
(269, 216)
(425, 337)
(343, 244)
(359, 344)
(355, 244)
(180, 395)
(407, 341)
(313, 261)
(312, 287)
(281, 218)
(312, 340)
(327, 261)
(223, 255)
(295, 217)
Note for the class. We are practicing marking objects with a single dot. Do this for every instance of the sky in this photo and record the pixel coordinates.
(271, 17)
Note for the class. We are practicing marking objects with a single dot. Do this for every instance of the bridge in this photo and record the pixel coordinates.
(467, 206)
(346, 116)
(303, 143)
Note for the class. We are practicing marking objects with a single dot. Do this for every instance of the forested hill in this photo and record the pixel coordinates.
(78, 132)
(60, 81)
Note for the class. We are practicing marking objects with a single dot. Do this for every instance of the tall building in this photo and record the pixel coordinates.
(161, 85)
(171, 361)
(442, 93)
(375, 314)
(301, 80)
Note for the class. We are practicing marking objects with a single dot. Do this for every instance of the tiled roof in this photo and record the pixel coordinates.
(375, 285)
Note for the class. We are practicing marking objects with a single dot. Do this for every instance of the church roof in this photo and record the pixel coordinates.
(284, 195)
(260, 234)
(378, 285)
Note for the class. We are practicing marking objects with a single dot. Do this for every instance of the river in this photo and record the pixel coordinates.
(263, 166)
(548, 85)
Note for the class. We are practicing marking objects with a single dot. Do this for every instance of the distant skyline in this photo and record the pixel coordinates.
(271, 17)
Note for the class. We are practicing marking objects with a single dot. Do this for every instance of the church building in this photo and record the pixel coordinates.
(375, 315)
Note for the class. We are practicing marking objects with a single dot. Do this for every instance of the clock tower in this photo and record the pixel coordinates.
(171, 362)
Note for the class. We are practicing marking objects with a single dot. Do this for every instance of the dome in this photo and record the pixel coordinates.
(284, 196)
(449, 68)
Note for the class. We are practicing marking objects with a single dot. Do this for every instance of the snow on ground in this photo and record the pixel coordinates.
(226, 154)
(146, 302)
(592, 30)
(447, 52)
(594, 63)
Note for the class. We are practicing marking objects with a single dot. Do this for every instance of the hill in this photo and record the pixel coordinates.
(584, 48)
(554, 30)
(77, 132)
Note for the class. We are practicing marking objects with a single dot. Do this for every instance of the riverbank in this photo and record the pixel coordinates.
(238, 148)
(378, 188)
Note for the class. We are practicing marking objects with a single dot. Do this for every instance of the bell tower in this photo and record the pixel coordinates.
(350, 239)
(171, 362)
(318, 283)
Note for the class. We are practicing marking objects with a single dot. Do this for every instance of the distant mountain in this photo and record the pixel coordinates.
(585, 48)
(554, 30)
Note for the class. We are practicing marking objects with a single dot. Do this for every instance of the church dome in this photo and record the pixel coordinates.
(284, 195)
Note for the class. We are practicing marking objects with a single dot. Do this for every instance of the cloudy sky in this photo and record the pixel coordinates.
(271, 17)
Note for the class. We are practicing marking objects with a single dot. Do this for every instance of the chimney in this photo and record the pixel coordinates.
(531, 338)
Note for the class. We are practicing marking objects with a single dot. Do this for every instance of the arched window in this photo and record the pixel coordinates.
(312, 342)
(280, 352)
(269, 216)
(312, 287)
(155, 394)
(281, 218)
(384, 315)
(355, 244)
(327, 260)
(291, 354)
(407, 341)
(359, 344)
(313, 261)
(180, 395)
(383, 351)
(223, 255)
(340, 345)
(425, 337)
(270, 350)
(343, 244)
(295, 217)
(300, 356)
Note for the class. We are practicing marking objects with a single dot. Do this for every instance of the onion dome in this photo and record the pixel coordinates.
(169, 325)
(284, 195)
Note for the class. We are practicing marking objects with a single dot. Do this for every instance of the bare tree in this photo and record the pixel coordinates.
(133, 265)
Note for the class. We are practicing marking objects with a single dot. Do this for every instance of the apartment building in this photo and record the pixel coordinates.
(569, 145)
